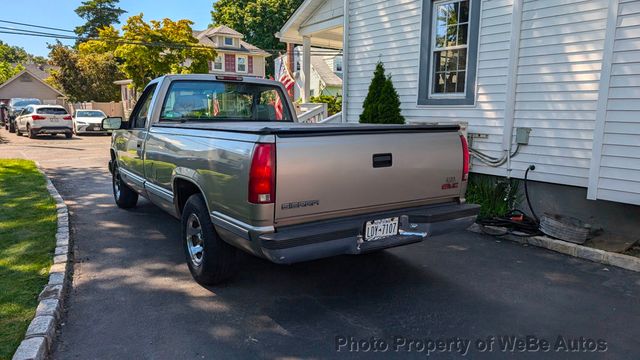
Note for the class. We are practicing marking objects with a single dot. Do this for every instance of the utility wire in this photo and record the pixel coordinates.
(28, 32)
(36, 26)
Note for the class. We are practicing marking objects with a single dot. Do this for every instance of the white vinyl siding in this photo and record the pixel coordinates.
(561, 48)
(619, 172)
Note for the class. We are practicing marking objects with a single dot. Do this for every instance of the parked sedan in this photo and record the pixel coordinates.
(44, 119)
(85, 121)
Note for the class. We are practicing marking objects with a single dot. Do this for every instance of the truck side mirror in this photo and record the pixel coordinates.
(112, 123)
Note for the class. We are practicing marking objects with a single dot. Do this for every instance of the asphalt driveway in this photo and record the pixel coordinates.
(133, 296)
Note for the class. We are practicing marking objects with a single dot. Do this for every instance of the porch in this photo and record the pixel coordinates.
(317, 24)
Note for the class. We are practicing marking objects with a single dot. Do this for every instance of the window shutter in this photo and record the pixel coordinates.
(230, 63)
(250, 64)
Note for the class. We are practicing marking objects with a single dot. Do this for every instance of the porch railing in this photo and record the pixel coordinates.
(333, 119)
(312, 113)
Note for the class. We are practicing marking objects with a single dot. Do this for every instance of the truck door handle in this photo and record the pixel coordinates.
(382, 160)
(139, 144)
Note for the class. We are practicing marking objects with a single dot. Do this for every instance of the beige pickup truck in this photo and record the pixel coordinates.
(227, 157)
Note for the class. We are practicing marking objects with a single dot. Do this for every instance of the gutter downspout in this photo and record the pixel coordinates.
(345, 60)
(512, 82)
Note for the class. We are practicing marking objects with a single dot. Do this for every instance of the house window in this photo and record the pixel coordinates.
(228, 41)
(449, 52)
(241, 64)
(337, 64)
(218, 63)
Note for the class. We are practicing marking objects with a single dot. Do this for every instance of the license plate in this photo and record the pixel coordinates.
(54, 120)
(381, 228)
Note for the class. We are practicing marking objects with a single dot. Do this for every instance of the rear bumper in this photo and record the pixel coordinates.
(322, 239)
(90, 128)
(51, 130)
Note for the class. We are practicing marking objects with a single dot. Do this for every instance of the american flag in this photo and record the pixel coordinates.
(288, 83)
(216, 106)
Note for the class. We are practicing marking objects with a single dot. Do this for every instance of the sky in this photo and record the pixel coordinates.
(61, 14)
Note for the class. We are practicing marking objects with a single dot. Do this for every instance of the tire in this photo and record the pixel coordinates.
(32, 135)
(216, 261)
(12, 127)
(68, 135)
(125, 197)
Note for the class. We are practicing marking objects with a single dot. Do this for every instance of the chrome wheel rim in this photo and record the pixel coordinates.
(195, 240)
(116, 184)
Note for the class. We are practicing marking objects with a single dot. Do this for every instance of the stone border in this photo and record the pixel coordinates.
(40, 333)
(584, 252)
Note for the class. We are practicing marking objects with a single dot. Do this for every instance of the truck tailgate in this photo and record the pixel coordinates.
(331, 175)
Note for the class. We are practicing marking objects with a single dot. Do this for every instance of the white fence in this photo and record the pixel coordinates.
(312, 113)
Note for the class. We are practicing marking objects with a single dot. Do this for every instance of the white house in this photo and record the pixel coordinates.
(326, 72)
(569, 70)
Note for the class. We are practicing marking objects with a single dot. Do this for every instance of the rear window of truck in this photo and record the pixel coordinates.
(51, 111)
(223, 101)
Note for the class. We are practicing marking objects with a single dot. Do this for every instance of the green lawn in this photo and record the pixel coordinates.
(27, 242)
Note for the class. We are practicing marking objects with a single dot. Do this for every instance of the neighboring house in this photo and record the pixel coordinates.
(128, 96)
(326, 72)
(568, 70)
(235, 56)
(30, 83)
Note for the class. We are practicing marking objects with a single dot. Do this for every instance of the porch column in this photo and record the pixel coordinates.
(306, 67)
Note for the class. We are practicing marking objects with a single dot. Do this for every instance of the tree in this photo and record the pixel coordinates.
(8, 70)
(12, 60)
(84, 75)
(13, 54)
(148, 50)
(258, 20)
(98, 14)
(382, 104)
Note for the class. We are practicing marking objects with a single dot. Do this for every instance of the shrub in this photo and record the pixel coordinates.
(334, 103)
(382, 104)
(496, 196)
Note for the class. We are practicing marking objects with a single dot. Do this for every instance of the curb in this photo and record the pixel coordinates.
(40, 333)
(583, 252)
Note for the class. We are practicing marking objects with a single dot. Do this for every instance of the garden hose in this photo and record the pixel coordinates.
(515, 222)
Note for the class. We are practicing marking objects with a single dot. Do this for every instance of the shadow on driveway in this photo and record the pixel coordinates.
(133, 296)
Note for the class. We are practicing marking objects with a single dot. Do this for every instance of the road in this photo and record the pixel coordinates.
(133, 296)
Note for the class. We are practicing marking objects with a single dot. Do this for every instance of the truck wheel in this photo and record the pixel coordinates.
(12, 127)
(126, 197)
(68, 135)
(210, 259)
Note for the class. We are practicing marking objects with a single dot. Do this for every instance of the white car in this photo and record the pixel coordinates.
(44, 119)
(85, 121)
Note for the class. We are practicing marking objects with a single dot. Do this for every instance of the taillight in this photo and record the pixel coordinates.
(38, 117)
(68, 117)
(262, 175)
(465, 158)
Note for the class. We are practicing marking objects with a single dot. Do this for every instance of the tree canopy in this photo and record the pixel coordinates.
(84, 75)
(148, 50)
(258, 20)
(12, 60)
(98, 14)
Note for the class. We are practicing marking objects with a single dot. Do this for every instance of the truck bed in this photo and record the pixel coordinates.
(301, 129)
